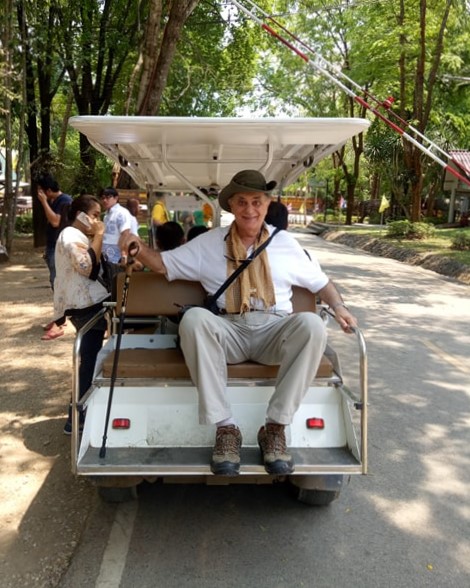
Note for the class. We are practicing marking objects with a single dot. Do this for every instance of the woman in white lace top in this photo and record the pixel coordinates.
(78, 293)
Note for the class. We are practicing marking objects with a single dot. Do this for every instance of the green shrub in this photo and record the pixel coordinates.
(435, 220)
(461, 242)
(24, 223)
(405, 229)
(398, 229)
(421, 231)
(375, 218)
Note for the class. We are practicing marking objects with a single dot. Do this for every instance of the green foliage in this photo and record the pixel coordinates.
(225, 64)
(405, 229)
(214, 66)
(96, 40)
(144, 233)
(76, 179)
(375, 218)
(24, 223)
(435, 220)
(461, 242)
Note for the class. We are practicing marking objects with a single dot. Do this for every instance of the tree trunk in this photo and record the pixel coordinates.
(157, 66)
(150, 49)
(39, 218)
(422, 97)
(351, 177)
(158, 51)
(9, 201)
(375, 185)
(416, 186)
(39, 139)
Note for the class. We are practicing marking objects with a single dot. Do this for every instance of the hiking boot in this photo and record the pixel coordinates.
(272, 442)
(226, 455)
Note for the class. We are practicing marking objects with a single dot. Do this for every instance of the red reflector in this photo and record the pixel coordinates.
(121, 423)
(315, 423)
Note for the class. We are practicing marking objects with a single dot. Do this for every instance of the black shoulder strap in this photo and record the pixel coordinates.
(243, 266)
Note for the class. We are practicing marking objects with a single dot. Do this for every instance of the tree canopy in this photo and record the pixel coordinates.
(207, 58)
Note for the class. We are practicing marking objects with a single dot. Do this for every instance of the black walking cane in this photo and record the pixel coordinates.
(134, 248)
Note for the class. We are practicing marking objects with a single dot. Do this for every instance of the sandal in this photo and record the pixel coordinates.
(52, 334)
(50, 325)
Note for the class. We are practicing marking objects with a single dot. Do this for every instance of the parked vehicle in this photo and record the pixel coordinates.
(141, 411)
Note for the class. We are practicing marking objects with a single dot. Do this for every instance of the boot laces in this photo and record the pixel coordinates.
(227, 440)
(275, 439)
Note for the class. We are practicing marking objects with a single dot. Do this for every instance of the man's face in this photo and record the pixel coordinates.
(108, 201)
(249, 209)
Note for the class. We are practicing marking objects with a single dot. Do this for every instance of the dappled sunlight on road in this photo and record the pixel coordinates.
(443, 478)
(457, 360)
(412, 400)
(417, 329)
(405, 524)
(17, 269)
(413, 516)
(23, 471)
(422, 505)
(35, 367)
(34, 395)
(43, 505)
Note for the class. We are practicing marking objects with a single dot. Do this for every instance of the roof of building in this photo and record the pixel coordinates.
(461, 158)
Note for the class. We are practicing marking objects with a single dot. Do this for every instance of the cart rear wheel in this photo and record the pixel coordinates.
(315, 497)
(116, 494)
(316, 490)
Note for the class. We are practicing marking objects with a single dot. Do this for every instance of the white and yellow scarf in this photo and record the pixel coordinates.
(255, 281)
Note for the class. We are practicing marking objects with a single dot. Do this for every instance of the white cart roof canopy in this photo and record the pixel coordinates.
(181, 153)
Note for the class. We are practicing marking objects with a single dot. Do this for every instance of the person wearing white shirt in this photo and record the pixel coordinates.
(255, 320)
(117, 220)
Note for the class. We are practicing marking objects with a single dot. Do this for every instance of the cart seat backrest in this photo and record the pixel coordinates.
(151, 294)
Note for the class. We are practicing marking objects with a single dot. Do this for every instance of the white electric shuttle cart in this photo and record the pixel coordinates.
(141, 416)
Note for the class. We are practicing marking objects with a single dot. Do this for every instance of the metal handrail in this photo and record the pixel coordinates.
(325, 313)
(363, 384)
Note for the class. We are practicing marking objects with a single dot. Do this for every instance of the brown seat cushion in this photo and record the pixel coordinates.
(152, 295)
(169, 363)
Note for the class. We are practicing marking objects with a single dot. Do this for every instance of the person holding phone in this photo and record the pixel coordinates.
(78, 293)
(53, 200)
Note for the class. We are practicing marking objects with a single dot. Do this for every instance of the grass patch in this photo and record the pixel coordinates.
(439, 244)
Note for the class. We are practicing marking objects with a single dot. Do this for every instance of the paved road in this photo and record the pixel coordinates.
(406, 524)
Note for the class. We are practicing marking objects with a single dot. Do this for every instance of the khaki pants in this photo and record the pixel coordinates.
(296, 342)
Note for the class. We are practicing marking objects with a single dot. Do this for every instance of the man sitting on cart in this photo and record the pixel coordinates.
(255, 320)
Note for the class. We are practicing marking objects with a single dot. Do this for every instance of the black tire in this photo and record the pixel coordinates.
(116, 495)
(315, 497)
